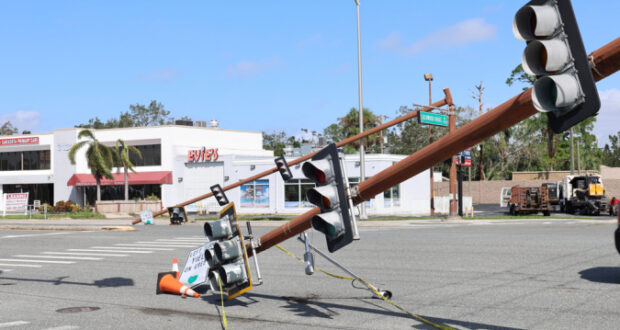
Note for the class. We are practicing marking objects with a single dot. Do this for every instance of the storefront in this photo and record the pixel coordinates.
(179, 163)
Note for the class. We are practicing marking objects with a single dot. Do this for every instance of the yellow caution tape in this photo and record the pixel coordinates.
(374, 290)
(223, 311)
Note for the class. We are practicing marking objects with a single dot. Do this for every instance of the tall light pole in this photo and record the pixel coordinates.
(429, 77)
(361, 107)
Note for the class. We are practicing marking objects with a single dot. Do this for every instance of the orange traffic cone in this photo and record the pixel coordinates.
(175, 267)
(167, 283)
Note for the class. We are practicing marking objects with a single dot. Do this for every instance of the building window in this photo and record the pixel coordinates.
(151, 155)
(391, 197)
(25, 160)
(295, 193)
(255, 194)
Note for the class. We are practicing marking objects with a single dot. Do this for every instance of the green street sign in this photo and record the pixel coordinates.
(430, 118)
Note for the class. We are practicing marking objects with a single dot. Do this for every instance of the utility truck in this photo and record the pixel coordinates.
(584, 194)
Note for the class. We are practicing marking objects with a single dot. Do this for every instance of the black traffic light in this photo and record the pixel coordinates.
(228, 259)
(283, 168)
(555, 54)
(177, 215)
(329, 194)
(219, 194)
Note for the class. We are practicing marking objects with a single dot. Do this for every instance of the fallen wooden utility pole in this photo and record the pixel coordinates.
(605, 61)
(344, 142)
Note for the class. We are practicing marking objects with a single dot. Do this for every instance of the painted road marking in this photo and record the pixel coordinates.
(64, 327)
(43, 261)
(13, 324)
(168, 243)
(112, 248)
(121, 251)
(21, 265)
(32, 235)
(88, 254)
(156, 245)
(56, 257)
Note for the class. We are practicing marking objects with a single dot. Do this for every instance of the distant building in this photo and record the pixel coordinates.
(180, 162)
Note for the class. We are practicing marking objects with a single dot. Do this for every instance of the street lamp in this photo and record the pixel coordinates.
(429, 77)
(361, 107)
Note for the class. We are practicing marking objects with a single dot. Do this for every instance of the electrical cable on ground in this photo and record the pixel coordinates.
(372, 288)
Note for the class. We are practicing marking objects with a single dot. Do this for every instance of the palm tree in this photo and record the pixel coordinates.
(123, 155)
(100, 157)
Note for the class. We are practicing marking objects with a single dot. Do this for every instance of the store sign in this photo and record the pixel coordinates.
(17, 202)
(20, 140)
(202, 155)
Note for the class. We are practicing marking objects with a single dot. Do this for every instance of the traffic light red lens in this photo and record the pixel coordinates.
(320, 176)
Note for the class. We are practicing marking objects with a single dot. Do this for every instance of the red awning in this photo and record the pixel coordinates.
(157, 177)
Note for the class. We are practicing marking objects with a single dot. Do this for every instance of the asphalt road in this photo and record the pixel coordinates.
(538, 274)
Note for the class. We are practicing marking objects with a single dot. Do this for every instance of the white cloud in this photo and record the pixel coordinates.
(608, 119)
(161, 75)
(459, 35)
(22, 119)
(246, 69)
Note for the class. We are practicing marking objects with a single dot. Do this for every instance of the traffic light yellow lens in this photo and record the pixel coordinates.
(326, 203)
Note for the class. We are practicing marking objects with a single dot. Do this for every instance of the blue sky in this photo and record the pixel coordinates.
(265, 65)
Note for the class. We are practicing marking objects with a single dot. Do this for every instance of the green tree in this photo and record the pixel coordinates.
(100, 158)
(122, 150)
(348, 126)
(154, 114)
(8, 129)
(611, 152)
(275, 141)
(138, 115)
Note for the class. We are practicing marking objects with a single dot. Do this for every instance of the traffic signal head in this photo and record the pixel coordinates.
(329, 195)
(228, 259)
(319, 171)
(564, 86)
(219, 194)
(283, 168)
(177, 215)
(219, 229)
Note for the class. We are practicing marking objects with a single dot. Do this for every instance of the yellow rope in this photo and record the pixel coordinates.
(372, 288)
(317, 268)
(223, 311)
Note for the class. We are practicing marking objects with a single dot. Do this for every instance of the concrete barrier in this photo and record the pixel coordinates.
(126, 207)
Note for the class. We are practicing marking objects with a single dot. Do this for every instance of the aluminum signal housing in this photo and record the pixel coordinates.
(564, 86)
(219, 229)
(233, 273)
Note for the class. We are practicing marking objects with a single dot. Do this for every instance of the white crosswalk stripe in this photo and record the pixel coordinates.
(42, 261)
(55, 257)
(5, 270)
(156, 245)
(168, 243)
(21, 265)
(13, 324)
(132, 248)
(120, 251)
(88, 254)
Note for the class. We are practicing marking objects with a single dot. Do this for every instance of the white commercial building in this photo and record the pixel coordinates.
(181, 162)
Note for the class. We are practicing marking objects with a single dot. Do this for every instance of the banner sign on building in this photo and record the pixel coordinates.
(15, 202)
(20, 140)
(202, 155)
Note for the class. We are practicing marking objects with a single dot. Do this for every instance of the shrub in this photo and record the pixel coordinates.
(152, 197)
(49, 208)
